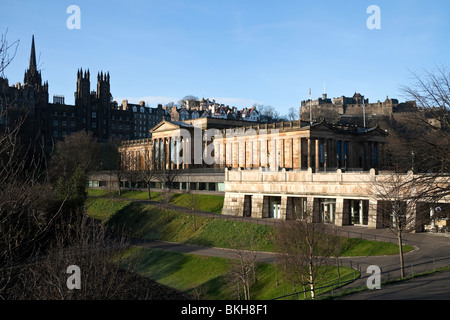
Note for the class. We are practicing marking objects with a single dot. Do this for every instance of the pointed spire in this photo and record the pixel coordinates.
(32, 56)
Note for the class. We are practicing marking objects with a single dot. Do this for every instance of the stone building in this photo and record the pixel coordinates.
(352, 110)
(338, 197)
(205, 108)
(273, 171)
(94, 110)
(208, 146)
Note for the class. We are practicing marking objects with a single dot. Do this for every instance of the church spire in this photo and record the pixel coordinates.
(32, 75)
(32, 56)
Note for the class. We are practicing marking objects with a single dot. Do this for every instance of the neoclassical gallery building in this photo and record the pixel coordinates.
(273, 171)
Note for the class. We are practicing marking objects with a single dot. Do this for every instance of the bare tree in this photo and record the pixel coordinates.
(293, 114)
(76, 150)
(242, 273)
(399, 199)
(268, 113)
(194, 202)
(95, 251)
(7, 52)
(148, 173)
(431, 91)
(167, 176)
(304, 252)
(28, 212)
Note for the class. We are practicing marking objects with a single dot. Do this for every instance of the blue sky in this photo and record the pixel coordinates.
(237, 52)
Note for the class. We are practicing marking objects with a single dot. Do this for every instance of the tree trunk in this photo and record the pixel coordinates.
(311, 281)
(400, 250)
(148, 190)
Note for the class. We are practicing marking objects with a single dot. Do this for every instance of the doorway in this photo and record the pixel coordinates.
(275, 207)
(247, 206)
(327, 210)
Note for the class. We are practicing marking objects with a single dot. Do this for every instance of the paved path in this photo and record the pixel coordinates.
(432, 287)
(431, 252)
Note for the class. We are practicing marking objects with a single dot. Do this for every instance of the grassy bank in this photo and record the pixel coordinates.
(150, 222)
(206, 202)
(206, 277)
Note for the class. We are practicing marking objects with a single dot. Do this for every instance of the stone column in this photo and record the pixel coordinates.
(257, 206)
(282, 151)
(375, 221)
(309, 153)
(317, 162)
(339, 214)
(286, 208)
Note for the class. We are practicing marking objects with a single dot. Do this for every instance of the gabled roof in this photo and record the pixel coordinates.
(166, 125)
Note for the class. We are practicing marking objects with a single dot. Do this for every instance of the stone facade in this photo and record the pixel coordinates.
(352, 109)
(340, 198)
(94, 111)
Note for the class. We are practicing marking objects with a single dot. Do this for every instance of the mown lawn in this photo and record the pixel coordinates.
(208, 203)
(206, 277)
(151, 222)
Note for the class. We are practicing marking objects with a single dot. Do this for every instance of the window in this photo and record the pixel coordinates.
(94, 115)
(55, 113)
(94, 125)
(64, 123)
(64, 114)
(55, 133)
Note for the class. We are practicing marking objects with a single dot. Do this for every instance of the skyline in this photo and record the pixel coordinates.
(236, 53)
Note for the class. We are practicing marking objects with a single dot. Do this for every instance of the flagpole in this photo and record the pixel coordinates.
(364, 113)
(310, 108)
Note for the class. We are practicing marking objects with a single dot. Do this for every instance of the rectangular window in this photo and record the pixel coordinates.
(94, 115)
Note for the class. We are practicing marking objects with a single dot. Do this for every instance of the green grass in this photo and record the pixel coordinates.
(104, 208)
(151, 222)
(208, 203)
(358, 247)
(207, 275)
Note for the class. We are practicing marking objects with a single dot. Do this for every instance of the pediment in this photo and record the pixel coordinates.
(169, 126)
(164, 126)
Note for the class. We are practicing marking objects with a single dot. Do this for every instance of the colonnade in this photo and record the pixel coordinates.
(291, 152)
